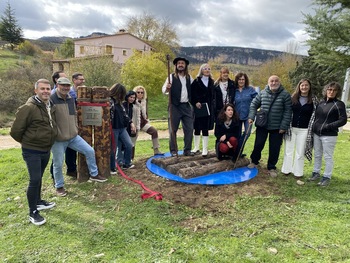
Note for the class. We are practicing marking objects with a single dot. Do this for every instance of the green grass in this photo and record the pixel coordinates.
(158, 107)
(303, 223)
(8, 58)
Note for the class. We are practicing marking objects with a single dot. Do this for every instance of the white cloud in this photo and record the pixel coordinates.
(267, 24)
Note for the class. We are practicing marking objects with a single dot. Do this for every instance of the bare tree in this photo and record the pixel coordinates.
(159, 33)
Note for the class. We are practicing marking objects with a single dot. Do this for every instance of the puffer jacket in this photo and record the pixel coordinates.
(280, 114)
(329, 116)
(32, 126)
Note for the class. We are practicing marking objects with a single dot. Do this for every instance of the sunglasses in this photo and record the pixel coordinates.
(140, 92)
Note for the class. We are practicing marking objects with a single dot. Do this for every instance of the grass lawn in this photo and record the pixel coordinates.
(295, 224)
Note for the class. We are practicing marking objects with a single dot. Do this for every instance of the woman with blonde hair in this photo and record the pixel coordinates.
(141, 121)
(202, 93)
(224, 90)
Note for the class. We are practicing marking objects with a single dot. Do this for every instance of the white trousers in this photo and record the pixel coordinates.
(294, 149)
(324, 145)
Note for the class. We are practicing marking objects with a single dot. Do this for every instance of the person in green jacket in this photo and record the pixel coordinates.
(278, 122)
(35, 128)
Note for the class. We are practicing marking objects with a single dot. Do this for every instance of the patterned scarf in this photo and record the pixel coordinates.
(310, 135)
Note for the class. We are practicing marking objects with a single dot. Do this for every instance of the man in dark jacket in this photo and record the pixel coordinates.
(278, 122)
(35, 128)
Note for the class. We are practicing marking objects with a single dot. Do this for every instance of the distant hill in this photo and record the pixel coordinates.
(228, 55)
(196, 55)
(49, 43)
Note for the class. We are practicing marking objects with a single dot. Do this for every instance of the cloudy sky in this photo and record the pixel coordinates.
(265, 24)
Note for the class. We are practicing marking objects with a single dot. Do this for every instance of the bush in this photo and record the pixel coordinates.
(28, 48)
(17, 85)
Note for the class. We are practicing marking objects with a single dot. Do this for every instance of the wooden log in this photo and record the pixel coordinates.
(83, 95)
(164, 162)
(173, 168)
(102, 133)
(225, 165)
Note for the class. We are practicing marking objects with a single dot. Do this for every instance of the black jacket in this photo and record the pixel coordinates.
(201, 93)
(217, 100)
(329, 116)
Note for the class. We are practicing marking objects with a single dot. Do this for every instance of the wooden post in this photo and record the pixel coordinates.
(83, 95)
(102, 144)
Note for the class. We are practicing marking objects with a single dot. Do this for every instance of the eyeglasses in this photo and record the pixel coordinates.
(332, 90)
(140, 92)
(206, 69)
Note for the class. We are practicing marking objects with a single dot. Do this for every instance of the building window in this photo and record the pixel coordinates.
(109, 49)
(124, 52)
(82, 50)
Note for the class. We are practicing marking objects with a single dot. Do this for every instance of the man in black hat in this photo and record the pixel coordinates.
(178, 86)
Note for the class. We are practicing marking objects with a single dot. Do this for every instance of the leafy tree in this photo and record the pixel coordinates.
(148, 70)
(66, 49)
(98, 71)
(159, 33)
(329, 31)
(280, 66)
(9, 29)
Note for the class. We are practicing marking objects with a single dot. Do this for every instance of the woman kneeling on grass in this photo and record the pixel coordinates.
(227, 131)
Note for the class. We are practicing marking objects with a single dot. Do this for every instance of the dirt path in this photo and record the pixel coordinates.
(6, 141)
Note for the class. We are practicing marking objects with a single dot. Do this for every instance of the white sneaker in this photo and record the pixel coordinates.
(272, 173)
(251, 165)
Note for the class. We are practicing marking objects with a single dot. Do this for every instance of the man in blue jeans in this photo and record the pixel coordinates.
(35, 128)
(67, 136)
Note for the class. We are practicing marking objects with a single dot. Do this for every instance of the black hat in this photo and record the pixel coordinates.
(180, 58)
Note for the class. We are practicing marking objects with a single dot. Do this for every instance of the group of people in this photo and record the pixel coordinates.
(201, 104)
(300, 120)
(47, 122)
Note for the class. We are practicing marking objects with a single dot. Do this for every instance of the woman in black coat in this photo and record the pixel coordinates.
(202, 89)
(224, 91)
(227, 131)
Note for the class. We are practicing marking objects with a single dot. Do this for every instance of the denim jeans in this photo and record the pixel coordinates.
(36, 163)
(78, 144)
(324, 145)
(121, 137)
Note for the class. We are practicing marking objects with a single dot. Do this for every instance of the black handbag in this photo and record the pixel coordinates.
(261, 118)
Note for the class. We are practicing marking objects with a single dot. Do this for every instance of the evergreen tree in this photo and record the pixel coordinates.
(329, 31)
(9, 29)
